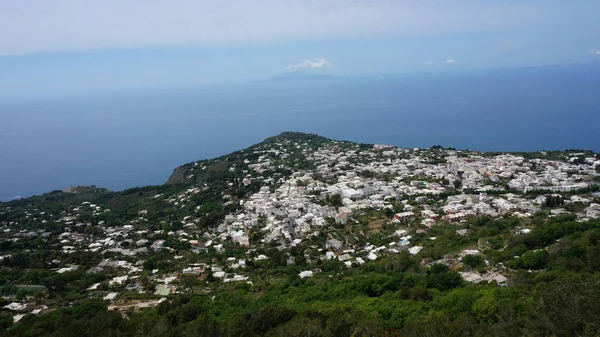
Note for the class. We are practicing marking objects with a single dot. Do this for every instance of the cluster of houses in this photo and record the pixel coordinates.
(417, 189)
(380, 177)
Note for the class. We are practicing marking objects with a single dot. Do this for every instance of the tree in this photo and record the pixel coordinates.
(553, 200)
(267, 318)
(439, 276)
(21, 295)
(572, 304)
(535, 260)
(150, 264)
(299, 327)
(300, 260)
(54, 282)
(457, 184)
(6, 320)
(188, 281)
(473, 261)
(388, 212)
(486, 306)
(210, 277)
(419, 293)
(336, 200)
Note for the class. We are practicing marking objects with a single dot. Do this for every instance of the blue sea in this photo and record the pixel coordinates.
(137, 138)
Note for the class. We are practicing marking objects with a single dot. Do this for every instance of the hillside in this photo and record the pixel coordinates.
(308, 236)
(189, 172)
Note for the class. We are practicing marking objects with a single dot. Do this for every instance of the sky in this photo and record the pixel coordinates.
(63, 47)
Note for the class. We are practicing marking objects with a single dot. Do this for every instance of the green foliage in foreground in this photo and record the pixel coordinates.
(554, 291)
(377, 300)
(393, 296)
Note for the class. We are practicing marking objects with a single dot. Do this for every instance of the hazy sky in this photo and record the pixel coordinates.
(50, 47)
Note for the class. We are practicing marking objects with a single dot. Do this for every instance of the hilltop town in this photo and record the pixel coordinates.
(299, 208)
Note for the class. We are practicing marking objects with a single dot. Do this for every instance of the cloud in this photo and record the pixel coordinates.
(316, 64)
(450, 61)
(594, 51)
(67, 25)
(428, 63)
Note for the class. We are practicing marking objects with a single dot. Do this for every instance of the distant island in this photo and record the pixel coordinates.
(297, 76)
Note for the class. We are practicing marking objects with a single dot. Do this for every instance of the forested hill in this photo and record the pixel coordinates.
(190, 173)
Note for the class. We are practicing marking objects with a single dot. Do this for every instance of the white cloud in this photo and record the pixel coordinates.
(428, 63)
(594, 51)
(316, 64)
(57, 25)
(450, 61)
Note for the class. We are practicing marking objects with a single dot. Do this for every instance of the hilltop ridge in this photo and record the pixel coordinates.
(179, 174)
